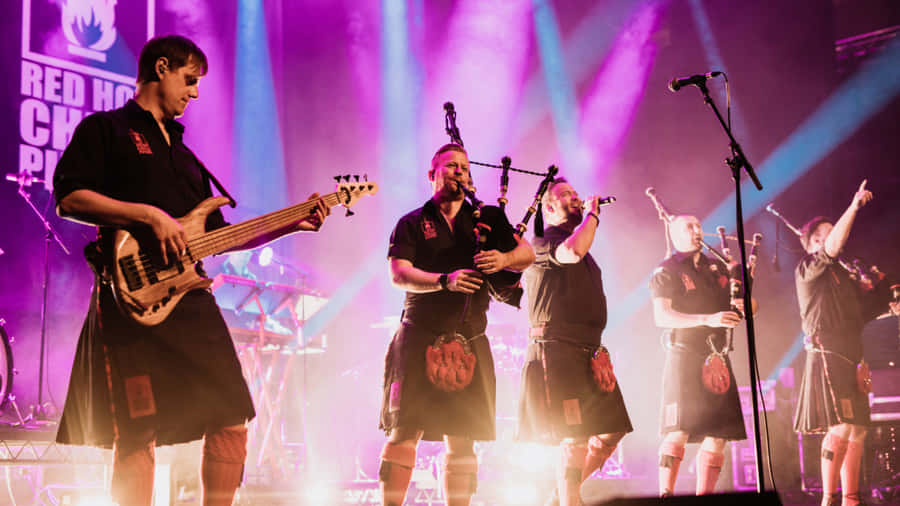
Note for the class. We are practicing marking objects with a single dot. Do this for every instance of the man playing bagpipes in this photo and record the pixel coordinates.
(439, 374)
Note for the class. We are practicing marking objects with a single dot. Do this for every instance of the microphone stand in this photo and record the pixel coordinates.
(735, 163)
(38, 413)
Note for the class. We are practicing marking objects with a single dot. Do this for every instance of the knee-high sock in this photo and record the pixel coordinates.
(222, 467)
(132, 474)
(460, 478)
(709, 465)
(397, 463)
(850, 473)
(670, 456)
(598, 452)
(569, 473)
(833, 450)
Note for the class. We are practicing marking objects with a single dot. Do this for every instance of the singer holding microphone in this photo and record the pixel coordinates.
(433, 258)
(691, 297)
(569, 396)
(835, 386)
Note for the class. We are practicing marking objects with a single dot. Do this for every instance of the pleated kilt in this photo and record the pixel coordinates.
(829, 394)
(177, 379)
(411, 401)
(560, 399)
(688, 406)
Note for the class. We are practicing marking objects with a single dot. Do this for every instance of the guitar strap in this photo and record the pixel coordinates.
(210, 177)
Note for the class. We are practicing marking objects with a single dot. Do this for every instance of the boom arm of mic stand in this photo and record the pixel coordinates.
(50, 231)
(738, 160)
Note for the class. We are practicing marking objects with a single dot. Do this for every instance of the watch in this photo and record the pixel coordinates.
(443, 281)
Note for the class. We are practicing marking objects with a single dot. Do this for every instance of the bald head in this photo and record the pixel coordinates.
(686, 233)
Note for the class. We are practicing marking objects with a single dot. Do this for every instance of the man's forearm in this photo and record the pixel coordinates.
(412, 279)
(521, 256)
(87, 206)
(577, 245)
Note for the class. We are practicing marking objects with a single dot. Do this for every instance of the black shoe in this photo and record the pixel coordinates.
(834, 499)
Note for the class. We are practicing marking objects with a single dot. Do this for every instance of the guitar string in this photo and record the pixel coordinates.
(227, 234)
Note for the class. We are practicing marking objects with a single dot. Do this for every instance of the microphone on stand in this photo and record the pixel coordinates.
(680, 82)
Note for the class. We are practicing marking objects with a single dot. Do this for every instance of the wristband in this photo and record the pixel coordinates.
(443, 281)
(595, 215)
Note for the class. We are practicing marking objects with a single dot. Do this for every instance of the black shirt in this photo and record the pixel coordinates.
(424, 238)
(122, 154)
(700, 289)
(565, 295)
(830, 301)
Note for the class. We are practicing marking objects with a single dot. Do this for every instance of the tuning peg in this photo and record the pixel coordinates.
(337, 178)
(356, 177)
(350, 213)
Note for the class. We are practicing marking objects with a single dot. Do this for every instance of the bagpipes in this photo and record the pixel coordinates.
(504, 286)
(715, 372)
(450, 361)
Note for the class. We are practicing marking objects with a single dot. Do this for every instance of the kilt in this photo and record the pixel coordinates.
(688, 406)
(829, 394)
(177, 379)
(411, 401)
(576, 407)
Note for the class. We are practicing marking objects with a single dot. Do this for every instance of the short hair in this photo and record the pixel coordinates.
(177, 49)
(553, 182)
(807, 230)
(452, 146)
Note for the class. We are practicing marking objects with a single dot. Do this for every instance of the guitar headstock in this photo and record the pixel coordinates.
(350, 191)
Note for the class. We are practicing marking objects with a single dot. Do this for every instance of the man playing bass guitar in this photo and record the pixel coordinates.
(134, 386)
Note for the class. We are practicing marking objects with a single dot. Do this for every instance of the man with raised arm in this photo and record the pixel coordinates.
(834, 391)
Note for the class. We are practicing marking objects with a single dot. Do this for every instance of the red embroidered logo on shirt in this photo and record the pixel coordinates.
(428, 229)
(140, 142)
(723, 281)
(688, 282)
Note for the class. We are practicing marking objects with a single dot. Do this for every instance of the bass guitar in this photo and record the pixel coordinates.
(147, 290)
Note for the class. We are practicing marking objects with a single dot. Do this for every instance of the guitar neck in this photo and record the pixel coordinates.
(229, 237)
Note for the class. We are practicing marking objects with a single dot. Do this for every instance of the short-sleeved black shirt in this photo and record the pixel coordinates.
(829, 299)
(693, 290)
(831, 302)
(424, 238)
(122, 154)
(564, 294)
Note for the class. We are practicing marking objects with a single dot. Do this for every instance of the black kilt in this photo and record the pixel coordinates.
(577, 407)
(411, 401)
(188, 361)
(829, 394)
(688, 406)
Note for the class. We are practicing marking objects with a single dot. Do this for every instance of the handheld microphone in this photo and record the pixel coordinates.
(602, 202)
(680, 82)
